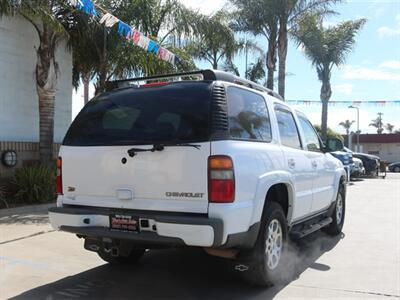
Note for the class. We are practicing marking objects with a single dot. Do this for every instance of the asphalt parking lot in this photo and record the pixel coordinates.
(39, 263)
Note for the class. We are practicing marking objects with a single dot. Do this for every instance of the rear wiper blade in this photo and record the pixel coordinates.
(160, 147)
(156, 147)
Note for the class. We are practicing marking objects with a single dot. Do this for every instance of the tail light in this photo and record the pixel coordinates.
(221, 179)
(59, 188)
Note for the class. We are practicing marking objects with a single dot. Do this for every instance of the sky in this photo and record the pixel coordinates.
(371, 72)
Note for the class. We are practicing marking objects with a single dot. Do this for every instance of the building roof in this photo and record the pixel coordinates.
(385, 138)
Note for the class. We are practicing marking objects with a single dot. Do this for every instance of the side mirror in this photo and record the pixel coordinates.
(333, 144)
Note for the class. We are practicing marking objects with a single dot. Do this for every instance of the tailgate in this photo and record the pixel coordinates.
(174, 179)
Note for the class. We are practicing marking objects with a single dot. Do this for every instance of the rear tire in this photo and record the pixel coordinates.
(134, 256)
(338, 214)
(396, 169)
(265, 260)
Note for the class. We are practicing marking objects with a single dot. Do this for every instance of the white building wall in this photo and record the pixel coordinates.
(387, 152)
(19, 110)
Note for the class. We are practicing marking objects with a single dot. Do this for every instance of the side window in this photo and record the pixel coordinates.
(248, 115)
(311, 137)
(287, 128)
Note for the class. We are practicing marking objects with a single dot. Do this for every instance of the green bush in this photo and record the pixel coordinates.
(3, 201)
(34, 184)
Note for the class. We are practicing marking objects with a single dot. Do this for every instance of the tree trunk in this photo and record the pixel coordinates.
(46, 81)
(215, 65)
(102, 76)
(271, 59)
(86, 82)
(282, 53)
(326, 93)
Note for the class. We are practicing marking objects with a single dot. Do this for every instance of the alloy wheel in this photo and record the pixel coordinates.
(274, 244)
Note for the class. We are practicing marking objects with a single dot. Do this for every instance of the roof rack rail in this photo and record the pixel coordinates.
(208, 75)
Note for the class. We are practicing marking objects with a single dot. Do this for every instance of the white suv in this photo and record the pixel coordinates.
(219, 163)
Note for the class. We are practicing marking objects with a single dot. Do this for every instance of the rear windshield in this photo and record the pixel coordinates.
(176, 112)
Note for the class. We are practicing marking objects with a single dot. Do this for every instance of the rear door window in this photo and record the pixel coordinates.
(248, 115)
(177, 112)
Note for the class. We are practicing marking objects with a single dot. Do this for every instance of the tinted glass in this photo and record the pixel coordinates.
(248, 115)
(287, 128)
(173, 113)
(311, 137)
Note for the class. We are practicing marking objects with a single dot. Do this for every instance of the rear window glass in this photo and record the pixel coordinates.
(172, 113)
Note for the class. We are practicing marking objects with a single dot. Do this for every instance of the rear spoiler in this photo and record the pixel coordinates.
(206, 75)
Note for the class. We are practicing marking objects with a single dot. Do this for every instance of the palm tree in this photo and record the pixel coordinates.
(47, 18)
(289, 13)
(215, 41)
(326, 48)
(389, 127)
(84, 55)
(347, 125)
(101, 54)
(377, 123)
(260, 17)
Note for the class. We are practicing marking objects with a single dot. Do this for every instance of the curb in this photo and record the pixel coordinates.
(25, 209)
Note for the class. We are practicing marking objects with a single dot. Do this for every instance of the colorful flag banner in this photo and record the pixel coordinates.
(344, 103)
(87, 6)
(109, 20)
(128, 32)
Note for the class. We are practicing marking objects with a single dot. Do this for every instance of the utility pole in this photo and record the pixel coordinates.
(358, 126)
(380, 125)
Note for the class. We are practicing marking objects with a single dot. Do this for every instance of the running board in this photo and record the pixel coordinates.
(309, 228)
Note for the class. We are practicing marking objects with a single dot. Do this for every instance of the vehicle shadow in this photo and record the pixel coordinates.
(26, 219)
(180, 274)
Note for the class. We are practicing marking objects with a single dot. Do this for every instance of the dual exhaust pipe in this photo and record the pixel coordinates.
(107, 248)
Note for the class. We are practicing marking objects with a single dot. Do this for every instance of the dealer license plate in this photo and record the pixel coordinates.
(124, 223)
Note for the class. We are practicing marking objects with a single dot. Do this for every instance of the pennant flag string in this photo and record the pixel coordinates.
(86, 5)
(126, 31)
(344, 103)
(109, 20)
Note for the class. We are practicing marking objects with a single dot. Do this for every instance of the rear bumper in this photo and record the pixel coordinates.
(170, 229)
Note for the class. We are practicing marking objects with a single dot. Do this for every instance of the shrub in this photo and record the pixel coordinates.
(34, 184)
(3, 201)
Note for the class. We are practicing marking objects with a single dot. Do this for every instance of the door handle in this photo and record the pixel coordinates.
(314, 164)
(291, 163)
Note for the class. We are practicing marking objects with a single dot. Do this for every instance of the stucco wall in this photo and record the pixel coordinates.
(387, 152)
(19, 112)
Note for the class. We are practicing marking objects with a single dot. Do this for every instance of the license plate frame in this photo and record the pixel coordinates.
(126, 223)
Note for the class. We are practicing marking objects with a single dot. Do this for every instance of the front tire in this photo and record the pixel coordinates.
(338, 213)
(264, 261)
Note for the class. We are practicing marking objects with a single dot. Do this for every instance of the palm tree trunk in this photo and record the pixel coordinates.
(282, 54)
(46, 81)
(326, 93)
(215, 65)
(271, 59)
(102, 77)
(86, 82)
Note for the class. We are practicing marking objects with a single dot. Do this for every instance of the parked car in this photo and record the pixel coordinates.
(370, 162)
(357, 168)
(219, 163)
(346, 159)
(394, 167)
